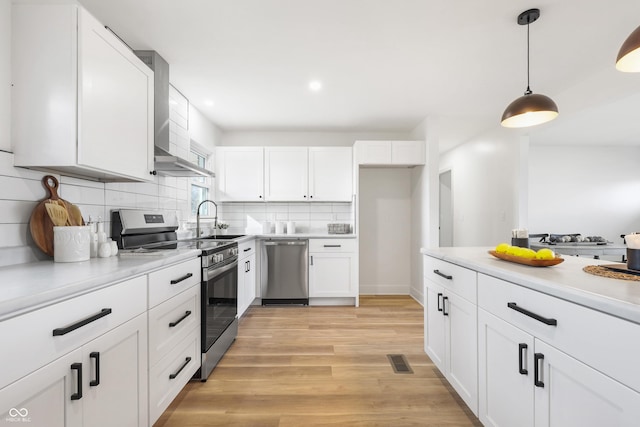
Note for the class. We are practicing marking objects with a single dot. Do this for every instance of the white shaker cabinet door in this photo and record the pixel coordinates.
(332, 275)
(44, 397)
(115, 103)
(434, 331)
(240, 174)
(330, 174)
(505, 373)
(116, 377)
(569, 393)
(286, 174)
(462, 349)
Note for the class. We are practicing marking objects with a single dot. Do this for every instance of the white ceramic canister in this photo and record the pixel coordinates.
(71, 243)
(266, 227)
(280, 227)
(291, 227)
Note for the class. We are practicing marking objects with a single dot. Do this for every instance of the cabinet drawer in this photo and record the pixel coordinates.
(453, 277)
(171, 373)
(30, 341)
(170, 281)
(171, 321)
(332, 245)
(606, 343)
(246, 248)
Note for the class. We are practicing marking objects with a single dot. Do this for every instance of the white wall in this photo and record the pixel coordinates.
(202, 131)
(385, 230)
(588, 190)
(5, 75)
(486, 188)
(274, 138)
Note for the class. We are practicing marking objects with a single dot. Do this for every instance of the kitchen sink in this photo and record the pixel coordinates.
(224, 237)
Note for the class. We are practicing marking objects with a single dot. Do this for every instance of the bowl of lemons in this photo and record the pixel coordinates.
(542, 258)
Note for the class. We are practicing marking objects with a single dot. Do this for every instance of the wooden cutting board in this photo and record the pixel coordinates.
(40, 224)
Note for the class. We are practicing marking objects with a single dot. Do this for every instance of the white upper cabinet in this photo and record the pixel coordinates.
(308, 174)
(82, 102)
(390, 153)
(240, 174)
(330, 174)
(286, 174)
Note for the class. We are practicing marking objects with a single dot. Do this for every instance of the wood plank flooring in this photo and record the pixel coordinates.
(323, 366)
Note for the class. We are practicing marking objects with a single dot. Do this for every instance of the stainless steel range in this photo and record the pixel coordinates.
(146, 232)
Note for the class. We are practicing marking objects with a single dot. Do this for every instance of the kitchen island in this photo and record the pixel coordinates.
(532, 346)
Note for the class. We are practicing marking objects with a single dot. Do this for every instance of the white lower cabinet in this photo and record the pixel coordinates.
(505, 361)
(43, 398)
(543, 361)
(526, 382)
(246, 275)
(569, 393)
(100, 382)
(115, 376)
(105, 358)
(171, 373)
(174, 332)
(451, 339)
(333, 268)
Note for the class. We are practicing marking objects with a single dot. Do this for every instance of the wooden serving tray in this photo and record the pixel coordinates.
(529, 262)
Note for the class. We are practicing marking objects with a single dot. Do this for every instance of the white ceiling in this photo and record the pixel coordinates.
(385, 65)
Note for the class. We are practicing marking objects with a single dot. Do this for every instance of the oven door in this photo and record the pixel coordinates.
(219, 300)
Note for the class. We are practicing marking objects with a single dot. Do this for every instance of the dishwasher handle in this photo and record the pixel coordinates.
(287, 243)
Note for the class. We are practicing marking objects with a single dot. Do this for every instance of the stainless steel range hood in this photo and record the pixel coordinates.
(165, 162)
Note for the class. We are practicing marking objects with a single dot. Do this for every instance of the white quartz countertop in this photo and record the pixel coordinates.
(306, 236)
(26, 287)
(567, 280)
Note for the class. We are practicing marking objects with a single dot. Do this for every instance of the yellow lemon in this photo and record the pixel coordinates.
(528, 253)
(545, 253)
(502, 248)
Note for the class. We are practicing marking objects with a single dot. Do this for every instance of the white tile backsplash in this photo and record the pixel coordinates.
(21, 189)
(309, 217)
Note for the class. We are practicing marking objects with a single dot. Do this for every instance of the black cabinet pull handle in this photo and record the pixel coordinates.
(332, 246)
(545, 320)
(78, 394)
(247, 250)
(311, 259)
(537, 357)
(444, 306)
(186, 362)
(174, 324)
(81, 323)
(439, 305)
(521, 368)
(248, 263)
(95, 355)
(185, 277)
(446, 276)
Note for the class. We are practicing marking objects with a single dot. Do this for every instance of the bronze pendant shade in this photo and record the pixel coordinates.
(628, 59)
(532, 108)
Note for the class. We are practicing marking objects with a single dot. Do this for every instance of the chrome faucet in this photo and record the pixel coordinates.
(215, 218)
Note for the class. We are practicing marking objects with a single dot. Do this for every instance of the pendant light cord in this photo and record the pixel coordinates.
(528, 91)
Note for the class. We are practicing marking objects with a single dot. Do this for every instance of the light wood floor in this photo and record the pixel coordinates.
(323, 366)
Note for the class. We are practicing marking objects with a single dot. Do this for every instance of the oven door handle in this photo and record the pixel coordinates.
(213, 272)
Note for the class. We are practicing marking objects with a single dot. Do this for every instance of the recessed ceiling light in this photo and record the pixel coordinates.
(209, 103)
(315, 85)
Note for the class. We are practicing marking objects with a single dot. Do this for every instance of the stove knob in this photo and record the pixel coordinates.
(219, 258)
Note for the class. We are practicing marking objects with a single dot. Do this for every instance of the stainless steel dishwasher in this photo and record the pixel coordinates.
(285, 271)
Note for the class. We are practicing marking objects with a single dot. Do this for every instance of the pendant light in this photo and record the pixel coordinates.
(628, 59)
(531, 108)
